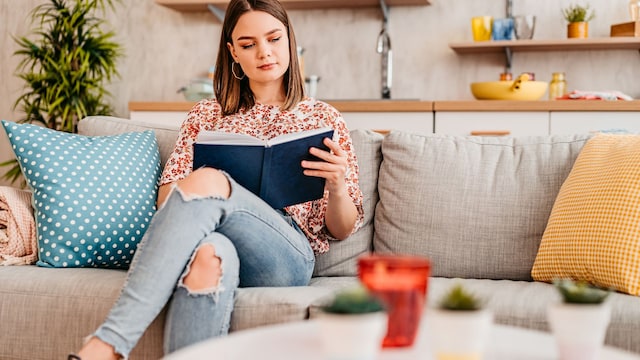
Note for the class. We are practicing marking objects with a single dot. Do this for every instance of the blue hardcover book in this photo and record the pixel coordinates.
(270, 169)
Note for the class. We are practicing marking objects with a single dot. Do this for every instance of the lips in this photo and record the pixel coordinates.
(267, 66)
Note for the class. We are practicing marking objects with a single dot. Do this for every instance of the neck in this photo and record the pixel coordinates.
(268, 94)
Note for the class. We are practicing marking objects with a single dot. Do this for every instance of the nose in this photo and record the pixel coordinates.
(264, 50)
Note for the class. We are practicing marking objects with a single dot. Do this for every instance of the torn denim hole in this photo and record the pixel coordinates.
(189, 197)
(214, 291)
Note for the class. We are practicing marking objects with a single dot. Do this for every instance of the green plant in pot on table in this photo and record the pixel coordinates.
(65, 62)
(579, 323)
(353, 324)
(460, 325)
(578, 17)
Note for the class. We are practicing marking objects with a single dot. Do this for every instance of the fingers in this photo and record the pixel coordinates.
(336, 156)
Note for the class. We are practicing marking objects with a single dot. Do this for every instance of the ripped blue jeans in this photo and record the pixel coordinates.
(257, 246)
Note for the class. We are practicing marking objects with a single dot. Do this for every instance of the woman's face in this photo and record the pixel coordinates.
(261, 46)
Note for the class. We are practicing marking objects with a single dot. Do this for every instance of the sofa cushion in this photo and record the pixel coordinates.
(93, 197)
(45, 313)
(342, 256)
(593, 232)
(37, 302)
(475, 206)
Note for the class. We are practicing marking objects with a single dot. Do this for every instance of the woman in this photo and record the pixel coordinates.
(210, 235)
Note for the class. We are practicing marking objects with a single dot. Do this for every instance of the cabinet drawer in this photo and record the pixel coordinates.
(579, 122)
(492, 123)
(416, 122)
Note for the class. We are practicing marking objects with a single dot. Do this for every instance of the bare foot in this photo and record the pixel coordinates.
(96, 349)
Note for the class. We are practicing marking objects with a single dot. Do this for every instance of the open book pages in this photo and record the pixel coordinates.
(225, 138)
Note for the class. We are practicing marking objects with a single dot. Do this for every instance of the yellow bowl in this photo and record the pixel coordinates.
(519, 89)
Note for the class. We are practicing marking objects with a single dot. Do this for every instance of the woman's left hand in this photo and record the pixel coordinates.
(333, 167)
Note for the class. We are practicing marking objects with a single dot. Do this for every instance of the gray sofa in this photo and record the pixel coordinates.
(476, 207)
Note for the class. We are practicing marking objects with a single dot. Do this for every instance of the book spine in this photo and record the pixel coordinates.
(266, 174)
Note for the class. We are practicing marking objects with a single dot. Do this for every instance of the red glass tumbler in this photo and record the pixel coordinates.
(400, 281)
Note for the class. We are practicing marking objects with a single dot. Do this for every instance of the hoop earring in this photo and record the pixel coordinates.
(233, 71)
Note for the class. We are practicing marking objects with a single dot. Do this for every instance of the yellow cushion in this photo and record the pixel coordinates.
(593, 233)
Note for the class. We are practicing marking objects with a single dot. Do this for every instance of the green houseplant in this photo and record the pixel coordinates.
(580, 321)
(578, 17)
(462, 323)
(65, 62)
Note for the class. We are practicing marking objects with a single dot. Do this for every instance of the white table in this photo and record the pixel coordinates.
(299, 340)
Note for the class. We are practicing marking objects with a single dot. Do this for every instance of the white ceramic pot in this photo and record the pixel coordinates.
(459, 335)
(579, 329)
(352, 336)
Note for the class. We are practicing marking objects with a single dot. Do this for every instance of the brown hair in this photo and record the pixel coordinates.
(233, 94)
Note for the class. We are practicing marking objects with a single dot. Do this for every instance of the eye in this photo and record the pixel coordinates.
(247, 46)
(276, 39)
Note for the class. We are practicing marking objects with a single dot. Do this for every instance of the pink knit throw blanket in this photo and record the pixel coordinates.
(18, 245)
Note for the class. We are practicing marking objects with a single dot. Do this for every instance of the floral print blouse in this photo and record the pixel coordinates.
(266, 122)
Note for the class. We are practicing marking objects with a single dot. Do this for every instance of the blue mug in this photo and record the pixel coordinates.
(502, 29)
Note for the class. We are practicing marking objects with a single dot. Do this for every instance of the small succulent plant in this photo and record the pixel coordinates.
(580, 292)
(458, 298)
(357, 300)
(578, 13)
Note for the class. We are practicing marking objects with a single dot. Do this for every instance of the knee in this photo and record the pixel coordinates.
(205, 269)
(206, 182)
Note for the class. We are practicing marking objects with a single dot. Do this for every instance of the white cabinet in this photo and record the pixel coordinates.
(416, 122)
(576, 122)
(513, 123)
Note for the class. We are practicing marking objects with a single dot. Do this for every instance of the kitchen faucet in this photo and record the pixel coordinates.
(384, 48)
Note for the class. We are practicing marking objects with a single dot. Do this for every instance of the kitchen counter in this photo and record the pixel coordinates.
(541, 105)
(340, 105)
(437, 105)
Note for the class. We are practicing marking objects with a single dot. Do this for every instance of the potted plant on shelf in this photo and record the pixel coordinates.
(459, 326)
(579, 323)
(65, 62)
(353, 325)
(578, 17)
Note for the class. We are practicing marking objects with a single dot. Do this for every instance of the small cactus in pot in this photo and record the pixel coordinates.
(579, 323)
(353, 324)
(461, 325)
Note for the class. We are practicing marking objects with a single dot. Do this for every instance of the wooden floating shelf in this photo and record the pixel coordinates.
(605, 43)
(203, 5)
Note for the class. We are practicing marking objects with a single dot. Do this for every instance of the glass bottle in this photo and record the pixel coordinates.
(557, 86)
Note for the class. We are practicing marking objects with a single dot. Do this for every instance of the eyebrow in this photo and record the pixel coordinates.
(266, 34)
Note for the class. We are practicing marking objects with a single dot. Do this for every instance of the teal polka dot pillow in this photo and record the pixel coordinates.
(93, 197)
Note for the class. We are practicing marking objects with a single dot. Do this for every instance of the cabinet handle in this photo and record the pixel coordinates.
(490, 132)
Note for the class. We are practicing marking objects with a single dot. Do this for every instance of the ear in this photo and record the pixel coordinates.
(232, 51)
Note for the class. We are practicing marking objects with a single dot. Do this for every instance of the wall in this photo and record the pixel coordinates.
(165, 49)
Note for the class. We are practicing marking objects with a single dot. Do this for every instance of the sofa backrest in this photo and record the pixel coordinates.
(343, 255)
(110, 125)
(475, 206)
